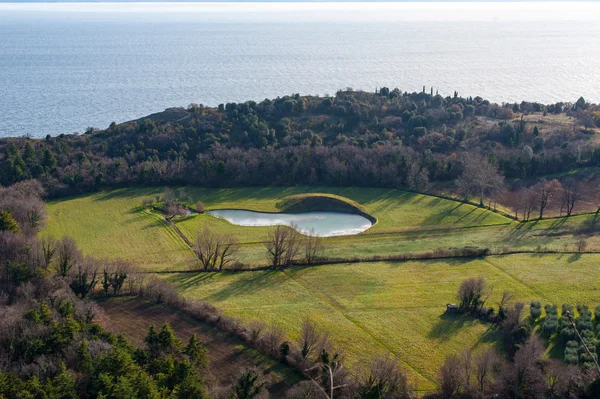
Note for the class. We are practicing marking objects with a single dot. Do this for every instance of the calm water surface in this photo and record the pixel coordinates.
(323, 224)
(65, 67)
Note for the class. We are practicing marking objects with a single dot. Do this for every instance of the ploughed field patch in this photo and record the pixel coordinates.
(228, 356)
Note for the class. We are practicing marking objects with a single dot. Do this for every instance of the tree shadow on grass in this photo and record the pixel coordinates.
(183, 281)
(243, 284)
(449, 324)
(129, 192)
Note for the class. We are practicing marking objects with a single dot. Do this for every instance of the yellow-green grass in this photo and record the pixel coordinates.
(111, 225)
(546, 235)
(395, 210)
(395, 307)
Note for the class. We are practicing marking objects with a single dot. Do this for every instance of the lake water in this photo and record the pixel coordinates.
(64, 67)
(323, 224)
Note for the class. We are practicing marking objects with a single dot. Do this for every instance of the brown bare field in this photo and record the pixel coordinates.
(228, 355)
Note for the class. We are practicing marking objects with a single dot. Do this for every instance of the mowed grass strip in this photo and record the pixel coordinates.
(111, 225)
(395, 307)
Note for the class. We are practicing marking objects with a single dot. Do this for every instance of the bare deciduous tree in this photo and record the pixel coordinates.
(545, 191)
(472, 294)
(479, 177)
(215, 251)
(172, 209)
(283, 246)
(451, 377)
(486, 366)
(527, 202)
(67, 255)
(313, 247)
(48, 245)
(386, 380)
(310, 336)
(571, 195)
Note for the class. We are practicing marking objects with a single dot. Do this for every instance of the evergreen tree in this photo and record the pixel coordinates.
(247, 386)
(197, 353)
(8, 222)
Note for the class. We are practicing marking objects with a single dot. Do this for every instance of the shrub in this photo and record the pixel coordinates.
(572, 352)
(535, 309)
(550, 324)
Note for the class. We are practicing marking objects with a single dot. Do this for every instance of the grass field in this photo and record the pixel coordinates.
(112, 224)
(373, 308)
(368, 308)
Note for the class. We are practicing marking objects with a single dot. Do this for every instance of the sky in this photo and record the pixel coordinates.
(317, 11)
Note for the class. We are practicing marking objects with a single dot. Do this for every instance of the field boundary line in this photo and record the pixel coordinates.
(518, 280)
(392, 258)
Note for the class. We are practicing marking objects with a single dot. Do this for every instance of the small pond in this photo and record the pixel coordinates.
(324, 224)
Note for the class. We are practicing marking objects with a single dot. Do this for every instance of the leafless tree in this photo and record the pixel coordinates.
(313, 247)
(524, 377)
(200, 207)
(173, 209)
(451, 377)
(486, 366)
(256, 327)
(472, 294)
(386, 380)
(67, 255)
(545, 191)
(527, 201)
(479, 177)
(571, 195)
(24, 200)
(283, 246)
(272, 339)
(48, 245)
(215, 251)
(310, 336)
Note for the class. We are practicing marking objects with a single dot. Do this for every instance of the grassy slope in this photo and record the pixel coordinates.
(110, 224)
(228, 356)
(396, 307)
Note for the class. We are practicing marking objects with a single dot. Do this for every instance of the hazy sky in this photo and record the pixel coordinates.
(315, 11)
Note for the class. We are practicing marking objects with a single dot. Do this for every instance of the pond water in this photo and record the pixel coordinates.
(324, 224)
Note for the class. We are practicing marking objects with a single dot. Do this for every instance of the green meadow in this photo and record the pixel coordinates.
(368, 308)
(395, 307)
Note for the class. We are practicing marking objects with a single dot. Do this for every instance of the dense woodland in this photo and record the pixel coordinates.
(384, 139)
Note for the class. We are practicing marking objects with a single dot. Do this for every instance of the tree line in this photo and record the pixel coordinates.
(395, 139)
